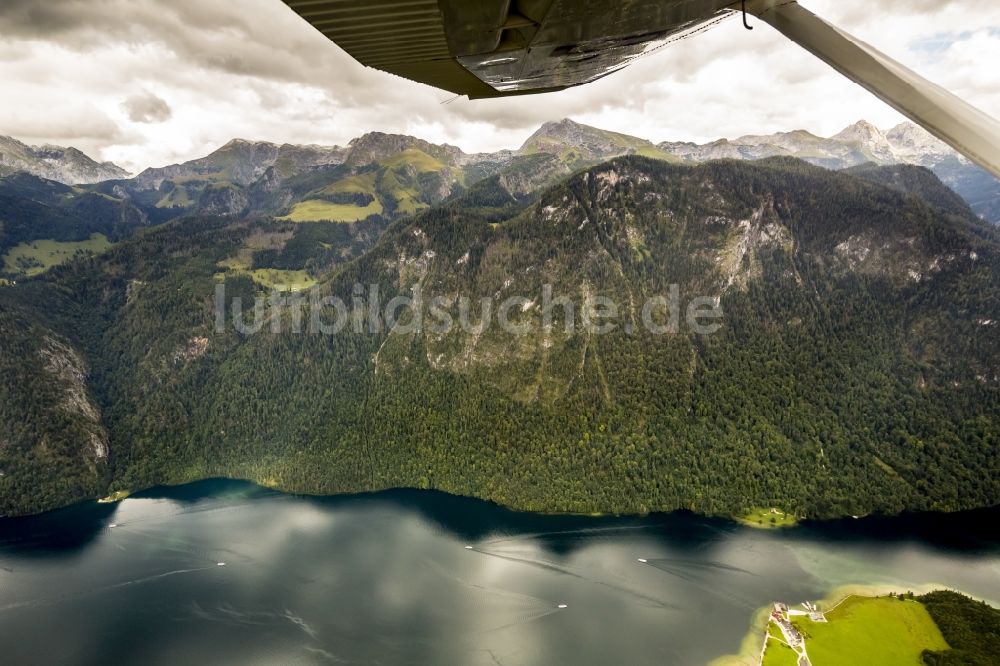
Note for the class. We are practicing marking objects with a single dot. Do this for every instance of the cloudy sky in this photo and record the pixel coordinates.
(152, 82)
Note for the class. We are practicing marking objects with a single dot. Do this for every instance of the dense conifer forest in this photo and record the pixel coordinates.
(855, 370)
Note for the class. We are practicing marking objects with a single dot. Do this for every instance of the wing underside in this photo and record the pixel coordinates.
(492, 48)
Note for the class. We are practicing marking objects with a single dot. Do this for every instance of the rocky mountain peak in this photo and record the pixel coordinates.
(564, 131)
(591, 142)
(564, 128)
(869, 138)
(910, 139)
(64, 164)
(861, 130)
(244, 144)
(375, 146)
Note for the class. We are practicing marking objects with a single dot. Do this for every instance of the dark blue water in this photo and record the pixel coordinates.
(387, 579)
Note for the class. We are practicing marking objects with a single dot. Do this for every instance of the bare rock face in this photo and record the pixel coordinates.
(66, 165)
(53, 437)
(909, 140)
(195, 348)
(869, 139)
(69, 370)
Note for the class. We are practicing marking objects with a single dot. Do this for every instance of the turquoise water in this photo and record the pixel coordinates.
(389, 579)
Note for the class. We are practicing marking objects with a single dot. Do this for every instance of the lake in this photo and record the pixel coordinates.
(390, 578)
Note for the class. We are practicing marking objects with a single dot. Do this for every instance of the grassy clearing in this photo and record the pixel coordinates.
(316, 210)
(181, 195)
(116, 496)
(658, 154)
(241, 262)
(778, 653)
(749, 654)
(863, 630)
(416, 158)
(767, 518)
(398, 181)
(360, 184)
(40, 255)
(255, 242)
(395, 180)
(273, 278)
(407, 201)
(270, 278)
(177, 197)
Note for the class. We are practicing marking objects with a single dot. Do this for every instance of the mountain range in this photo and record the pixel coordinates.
(271, 177)
(855, 370)
(859, 144)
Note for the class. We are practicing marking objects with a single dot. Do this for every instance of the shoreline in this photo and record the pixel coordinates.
(797, 522)
(754, 644)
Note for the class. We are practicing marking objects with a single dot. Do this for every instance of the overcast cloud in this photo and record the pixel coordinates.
(152, 82)
(146, 107)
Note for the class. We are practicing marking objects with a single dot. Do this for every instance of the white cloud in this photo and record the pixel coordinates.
(253, 69)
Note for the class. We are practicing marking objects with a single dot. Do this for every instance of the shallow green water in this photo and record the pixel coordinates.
(388, 579)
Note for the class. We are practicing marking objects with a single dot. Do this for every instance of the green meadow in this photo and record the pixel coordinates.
(317, 210)
(282, 280)
(764, 518)
(39, 256)
(887, 631)
(778, 654)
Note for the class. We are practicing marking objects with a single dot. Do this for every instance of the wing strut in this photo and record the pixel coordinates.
(956, 122)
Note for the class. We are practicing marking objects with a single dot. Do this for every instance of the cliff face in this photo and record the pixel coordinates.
(54, 449)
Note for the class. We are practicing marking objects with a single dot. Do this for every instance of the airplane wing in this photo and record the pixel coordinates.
(956, 122)
(494, 48)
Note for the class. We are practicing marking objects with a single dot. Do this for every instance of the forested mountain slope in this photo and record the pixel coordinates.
(32, 208)
(855, 369)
